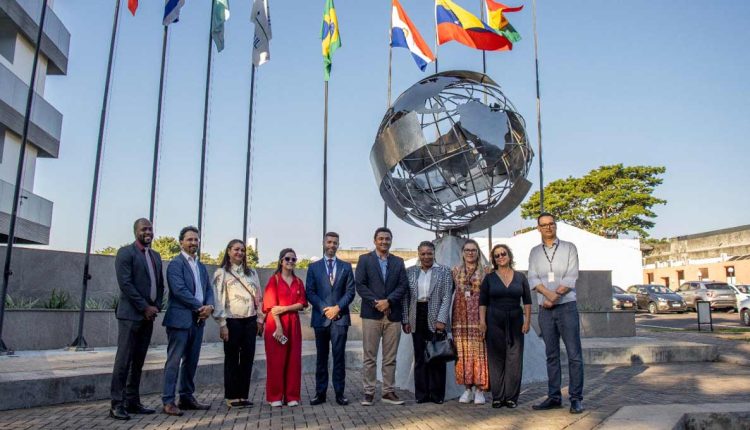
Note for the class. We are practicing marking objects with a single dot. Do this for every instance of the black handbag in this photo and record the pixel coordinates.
(440, 349)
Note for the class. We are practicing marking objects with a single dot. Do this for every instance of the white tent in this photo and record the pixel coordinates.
(621, 256)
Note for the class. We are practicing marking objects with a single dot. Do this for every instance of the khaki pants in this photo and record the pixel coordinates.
(372, 333)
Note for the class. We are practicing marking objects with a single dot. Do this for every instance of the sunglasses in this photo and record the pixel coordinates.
(290, 259)
(502, 254)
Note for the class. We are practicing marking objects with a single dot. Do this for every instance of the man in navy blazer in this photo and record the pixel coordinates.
(330, 290)
(141, 282)
(381, 282)
(191, 301)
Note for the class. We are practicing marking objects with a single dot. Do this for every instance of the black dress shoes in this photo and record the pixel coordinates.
(437, 401)
(118, 412)
(547, 404)
(420, 401)
(192, 405)
(138, 408)
(576, 407)
(319, 399)
(341, 400)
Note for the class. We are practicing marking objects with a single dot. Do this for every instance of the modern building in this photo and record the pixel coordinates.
(718, 255)
(19, 25)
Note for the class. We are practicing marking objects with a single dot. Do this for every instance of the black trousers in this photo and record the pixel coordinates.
(133, 338)
(335, 336)
(239, 354)
(429, 378)
(505, 352)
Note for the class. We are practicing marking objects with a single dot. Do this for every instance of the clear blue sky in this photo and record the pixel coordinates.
(658, 83)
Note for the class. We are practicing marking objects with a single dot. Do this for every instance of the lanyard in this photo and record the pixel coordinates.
(544, 248)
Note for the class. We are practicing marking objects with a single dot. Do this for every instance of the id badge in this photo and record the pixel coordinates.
(550, 276)
(467, 294)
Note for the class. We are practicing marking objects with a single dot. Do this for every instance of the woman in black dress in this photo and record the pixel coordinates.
(503, 323)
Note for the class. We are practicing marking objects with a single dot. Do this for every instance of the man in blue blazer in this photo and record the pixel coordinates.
(330, 290)
(381, 282)
(191, 301)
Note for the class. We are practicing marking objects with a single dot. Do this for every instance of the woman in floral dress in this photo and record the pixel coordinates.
(471, 366)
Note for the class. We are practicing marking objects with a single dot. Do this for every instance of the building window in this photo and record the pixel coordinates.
(730, 274)
(7, 39)
(680, 276)
(665, 280)
(650, 277)
(702, 273)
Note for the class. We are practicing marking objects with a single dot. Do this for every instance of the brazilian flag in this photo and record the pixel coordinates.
(330, 36)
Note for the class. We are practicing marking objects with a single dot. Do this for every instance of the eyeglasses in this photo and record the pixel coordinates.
(470, 250)
(502, 254)
(548, 225)
(290, 259)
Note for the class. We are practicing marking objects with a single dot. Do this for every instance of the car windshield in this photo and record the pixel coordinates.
(617, 290)
(658, 289)
(741, 288)
(718, 286)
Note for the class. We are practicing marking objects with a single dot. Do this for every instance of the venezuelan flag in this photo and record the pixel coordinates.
(455, 23)
(497, 20)
(330, 36)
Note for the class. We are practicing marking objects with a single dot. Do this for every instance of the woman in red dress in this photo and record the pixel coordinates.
(283, 298)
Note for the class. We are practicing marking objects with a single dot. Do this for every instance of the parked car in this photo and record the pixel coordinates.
(741, 292)
(622, 300)
(744, 310)
(719, 294)
(657, 298)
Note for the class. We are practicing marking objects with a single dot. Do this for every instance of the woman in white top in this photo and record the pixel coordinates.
(238, 312)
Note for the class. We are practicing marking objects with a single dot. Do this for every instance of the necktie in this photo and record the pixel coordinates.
(330, 270)
(151, 274)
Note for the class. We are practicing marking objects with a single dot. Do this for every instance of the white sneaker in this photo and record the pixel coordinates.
(466, 397)
(277, 404)
(293, 403)
(479, 397)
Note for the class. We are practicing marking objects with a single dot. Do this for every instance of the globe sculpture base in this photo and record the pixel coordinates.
(448, 253)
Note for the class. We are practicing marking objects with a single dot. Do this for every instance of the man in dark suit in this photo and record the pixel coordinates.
(191, 301)
(139, 276)
(381, 282)
(330, 290)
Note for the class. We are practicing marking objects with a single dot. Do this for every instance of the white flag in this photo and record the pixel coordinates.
(261, 44)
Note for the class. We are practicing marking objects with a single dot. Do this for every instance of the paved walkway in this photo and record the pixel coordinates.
(607, 389)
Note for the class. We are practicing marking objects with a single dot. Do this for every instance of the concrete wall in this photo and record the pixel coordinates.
(37, 271)
(26, 330)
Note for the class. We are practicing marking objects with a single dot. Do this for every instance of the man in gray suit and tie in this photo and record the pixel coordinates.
(139, 276)
(191, 301)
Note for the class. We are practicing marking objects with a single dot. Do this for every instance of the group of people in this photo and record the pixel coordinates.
(485, 310)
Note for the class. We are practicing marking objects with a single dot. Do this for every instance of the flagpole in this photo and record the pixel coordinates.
(204, 142)
(157, 133)
(390, 63)
(4, 350)
(325, 157)
(437, 42)
(80, 342)
(245, 218)
(538, 111)
(484, 71)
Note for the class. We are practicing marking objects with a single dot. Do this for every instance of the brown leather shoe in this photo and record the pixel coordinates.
(193, 405)
(172, 409)
(392, 398)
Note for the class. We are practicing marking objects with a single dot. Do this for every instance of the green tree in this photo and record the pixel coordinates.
(608, 201)
(110, 250)
(168, 247)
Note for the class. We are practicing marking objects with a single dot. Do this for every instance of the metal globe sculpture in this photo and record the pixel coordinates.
(451, 155)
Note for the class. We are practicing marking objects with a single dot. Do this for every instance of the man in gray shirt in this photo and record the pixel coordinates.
(553, 271)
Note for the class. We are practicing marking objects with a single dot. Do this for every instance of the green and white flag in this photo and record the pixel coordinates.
(219, 16)
(261, 17)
